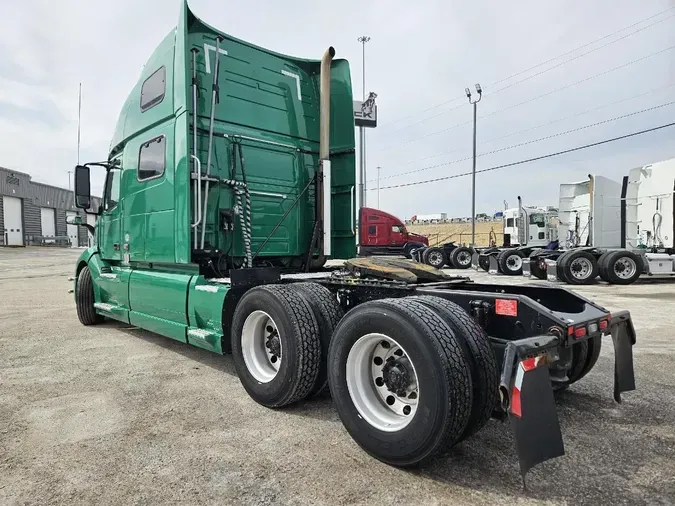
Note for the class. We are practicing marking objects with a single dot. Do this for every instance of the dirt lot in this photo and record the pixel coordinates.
(115, 415)
(460, 233)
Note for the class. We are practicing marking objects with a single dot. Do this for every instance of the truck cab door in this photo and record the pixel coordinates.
(109, 222)
(398, 235)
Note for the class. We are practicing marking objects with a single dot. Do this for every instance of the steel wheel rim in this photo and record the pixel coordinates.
(625, 267)
(581, 268)
(367, 360)
(435, 258)
(261, 346)
(463, 258)
(514, 262)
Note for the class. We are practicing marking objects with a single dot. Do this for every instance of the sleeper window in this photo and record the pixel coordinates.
(152, 159)
(153, 89)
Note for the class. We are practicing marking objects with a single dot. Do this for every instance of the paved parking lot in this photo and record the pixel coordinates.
(115, 415)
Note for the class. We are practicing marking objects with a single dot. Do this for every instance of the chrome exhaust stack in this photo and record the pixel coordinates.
(324, 151)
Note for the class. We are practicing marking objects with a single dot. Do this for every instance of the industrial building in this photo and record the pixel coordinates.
(33, 213)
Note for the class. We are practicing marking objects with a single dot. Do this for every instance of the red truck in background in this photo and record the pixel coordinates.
(381, 233)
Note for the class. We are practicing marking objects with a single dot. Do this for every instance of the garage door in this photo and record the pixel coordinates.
(72, 229)
(48, 222)
(91, 220)
(11, 209)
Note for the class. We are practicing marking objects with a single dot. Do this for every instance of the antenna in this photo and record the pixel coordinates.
(79, 118)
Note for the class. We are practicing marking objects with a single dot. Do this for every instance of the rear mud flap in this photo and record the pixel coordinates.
(494, 266)
(551, 270)
(623, 336)
(527, 398)
(474, 260)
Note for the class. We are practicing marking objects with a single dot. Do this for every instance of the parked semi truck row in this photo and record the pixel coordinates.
(525, 229)
(617, 231)
(229, 182)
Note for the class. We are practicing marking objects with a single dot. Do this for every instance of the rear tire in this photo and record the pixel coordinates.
(602, 267)
(579, 268)
(510, 262)
(479, 355)
(274, 321)
(435, 257)
(429, 351)
(328, 314)
(594, 346)
(86, 312)
(461, 257)
(484, 262)
(560, 273)
(579, 360)
(623, 267)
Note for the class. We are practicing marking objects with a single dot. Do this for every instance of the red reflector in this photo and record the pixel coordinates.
(570, 331)
(579, 332)
(603, 324)
(506, 307)
(529, 363)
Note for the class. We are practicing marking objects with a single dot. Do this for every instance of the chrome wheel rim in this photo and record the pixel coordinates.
(435, 258)
(382, 382)
(514, 262)
(625, 267)
(261, 346)
(581, 268)
(463, 258)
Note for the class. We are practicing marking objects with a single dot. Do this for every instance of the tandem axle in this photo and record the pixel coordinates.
(403, 355)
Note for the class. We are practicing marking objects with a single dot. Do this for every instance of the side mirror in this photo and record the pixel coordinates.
(74, 220)
(82, 187)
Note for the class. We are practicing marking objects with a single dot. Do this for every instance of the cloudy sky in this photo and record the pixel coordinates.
(420, 58)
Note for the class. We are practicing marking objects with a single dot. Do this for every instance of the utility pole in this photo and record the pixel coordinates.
(378, 187)
(362, 131)
(473, 172)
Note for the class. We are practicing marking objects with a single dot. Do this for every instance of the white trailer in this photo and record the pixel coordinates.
(619, 231)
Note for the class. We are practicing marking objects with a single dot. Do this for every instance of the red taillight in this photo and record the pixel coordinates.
(604, 324)
(579, 332)
(570, 331)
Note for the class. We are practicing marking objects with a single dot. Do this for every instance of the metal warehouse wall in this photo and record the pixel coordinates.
(2, 223)
(36, 195)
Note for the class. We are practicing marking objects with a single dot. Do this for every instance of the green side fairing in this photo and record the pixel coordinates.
(144, 267)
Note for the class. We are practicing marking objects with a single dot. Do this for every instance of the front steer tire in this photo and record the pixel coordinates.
(445, 389)
(328, 314)
(510, 262)
(86, 312)
(460, 257)
(298, 333)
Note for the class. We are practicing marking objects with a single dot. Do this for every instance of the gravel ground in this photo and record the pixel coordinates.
(115, 415)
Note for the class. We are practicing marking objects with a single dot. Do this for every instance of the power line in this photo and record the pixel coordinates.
(461, 97)
(548, 69)
(532, 141)
(579, 56)
(528, 160)
(529, 129)
(583, 46)
(410, 141)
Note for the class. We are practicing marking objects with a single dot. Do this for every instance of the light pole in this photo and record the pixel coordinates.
(362, 131)
(473, 172)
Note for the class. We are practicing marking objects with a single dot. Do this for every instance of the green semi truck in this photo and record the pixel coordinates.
(230, 181)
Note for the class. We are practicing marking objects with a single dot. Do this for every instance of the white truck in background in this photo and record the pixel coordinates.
(526, 229)
(619, 231)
